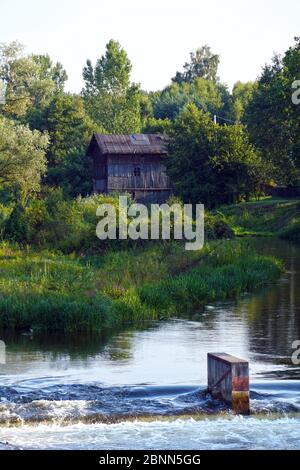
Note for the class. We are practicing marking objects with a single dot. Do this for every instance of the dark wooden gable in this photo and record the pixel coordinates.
(130, 163)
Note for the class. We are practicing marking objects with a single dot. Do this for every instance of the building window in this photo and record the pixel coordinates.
(137, 171)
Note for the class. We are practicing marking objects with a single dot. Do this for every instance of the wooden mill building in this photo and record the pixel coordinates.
(132, 164)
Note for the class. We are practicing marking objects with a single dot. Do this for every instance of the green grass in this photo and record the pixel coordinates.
(53, 292)
(268, 217)
(292, 232)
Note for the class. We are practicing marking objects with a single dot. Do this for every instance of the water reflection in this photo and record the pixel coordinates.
(261, 327)
(273, 317)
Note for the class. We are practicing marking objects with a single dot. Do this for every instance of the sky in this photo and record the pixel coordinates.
(158, 35)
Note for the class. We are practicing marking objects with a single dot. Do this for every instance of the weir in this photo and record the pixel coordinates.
(228, 380)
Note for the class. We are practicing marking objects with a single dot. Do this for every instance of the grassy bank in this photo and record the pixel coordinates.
(47, 291)
(268, 217)
(292, 231)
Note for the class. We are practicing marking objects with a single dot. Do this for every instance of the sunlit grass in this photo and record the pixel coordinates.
(268, 217)
(55, 292)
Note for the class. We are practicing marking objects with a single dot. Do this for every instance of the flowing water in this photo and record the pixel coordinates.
(145, 388)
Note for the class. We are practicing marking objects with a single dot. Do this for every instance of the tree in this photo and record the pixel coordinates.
(31, 81)
(70, 130)
(204, 93)
(56, 73)
(111, 72)
(272, 118)
(146, 107)
(203, 63)
(22, 157)
(69, 127)
(111, 100)
(242, 94)
(211, 163)
(116, 114)
(237, 166)
(157, 126)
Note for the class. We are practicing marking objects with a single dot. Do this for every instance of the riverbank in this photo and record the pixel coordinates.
(82, 391)
(268, 217)
(47, 291)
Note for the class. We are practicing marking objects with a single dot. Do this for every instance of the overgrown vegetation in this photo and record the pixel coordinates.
(267, 217)
(47, 291)
(216, 163)
(212, 163)
(69, 225)
(54, 272)
(292, 231)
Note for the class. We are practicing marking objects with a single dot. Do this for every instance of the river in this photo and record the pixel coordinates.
(145, 388)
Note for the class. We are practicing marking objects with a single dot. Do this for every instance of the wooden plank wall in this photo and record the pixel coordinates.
(120, 173)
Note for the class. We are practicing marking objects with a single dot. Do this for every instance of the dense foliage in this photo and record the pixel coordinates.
(46, 185)
(22, 157)
(273, 119)
(225, 146)
(212, 163)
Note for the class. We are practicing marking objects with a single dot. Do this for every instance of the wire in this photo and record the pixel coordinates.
(224, 119)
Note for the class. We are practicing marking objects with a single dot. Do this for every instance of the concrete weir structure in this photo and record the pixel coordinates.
(228, 380)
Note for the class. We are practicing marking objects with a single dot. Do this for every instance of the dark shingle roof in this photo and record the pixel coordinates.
(132, 143)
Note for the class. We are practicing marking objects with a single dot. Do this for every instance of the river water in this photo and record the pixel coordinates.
(145, 388)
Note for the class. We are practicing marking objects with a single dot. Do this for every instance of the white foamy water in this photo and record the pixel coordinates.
(211, 434)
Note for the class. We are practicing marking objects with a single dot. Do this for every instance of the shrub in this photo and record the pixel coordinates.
(216, 227)
(69, 225)
(5, 213)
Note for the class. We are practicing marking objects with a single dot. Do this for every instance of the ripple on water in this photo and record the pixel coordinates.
(97, 404)
(214, 434)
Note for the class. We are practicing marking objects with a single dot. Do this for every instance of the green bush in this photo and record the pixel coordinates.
(217, 227)
(58, 223)
(5, 213)
(69, 225)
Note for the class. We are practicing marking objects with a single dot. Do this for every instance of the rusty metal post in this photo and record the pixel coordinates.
(228, 380)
